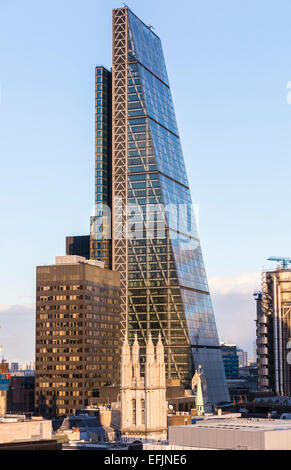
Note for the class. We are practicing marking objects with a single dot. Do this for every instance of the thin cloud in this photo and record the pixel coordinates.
(233, 303)
(235, 308)
(18, 332)
(17, 308)
(243, 283)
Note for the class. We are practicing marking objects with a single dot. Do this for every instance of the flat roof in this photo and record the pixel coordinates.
(251, 424)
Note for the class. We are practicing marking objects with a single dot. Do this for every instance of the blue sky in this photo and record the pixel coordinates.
(228, 64)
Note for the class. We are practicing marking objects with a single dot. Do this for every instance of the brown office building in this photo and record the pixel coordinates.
(77, 333)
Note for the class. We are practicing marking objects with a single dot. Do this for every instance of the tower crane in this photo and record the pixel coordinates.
(283, 260)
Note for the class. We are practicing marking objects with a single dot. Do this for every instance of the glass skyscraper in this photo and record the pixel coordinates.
(152, 238)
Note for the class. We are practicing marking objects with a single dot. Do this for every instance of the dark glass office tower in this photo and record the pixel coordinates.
(78, 245)
(100, 233)
(155, 244)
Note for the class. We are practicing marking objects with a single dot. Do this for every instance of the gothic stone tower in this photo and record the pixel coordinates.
(143, 399)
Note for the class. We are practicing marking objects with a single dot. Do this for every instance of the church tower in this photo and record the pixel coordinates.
(143, 399)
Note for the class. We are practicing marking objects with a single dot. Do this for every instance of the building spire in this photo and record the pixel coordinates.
(199, 402)
(160, 352)
(125, 351)
(135, 346)
(135, 357)
(126, 363)
(150, 350)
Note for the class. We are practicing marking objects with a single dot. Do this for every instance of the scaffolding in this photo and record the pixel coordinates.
(274, 331)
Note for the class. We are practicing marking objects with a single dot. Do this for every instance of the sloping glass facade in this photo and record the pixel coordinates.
(160, 260)
(167, 283)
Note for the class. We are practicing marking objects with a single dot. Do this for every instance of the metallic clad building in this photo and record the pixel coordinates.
(155, 244)
(274, 332)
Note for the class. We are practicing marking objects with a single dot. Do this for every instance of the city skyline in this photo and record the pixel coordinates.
(224, 277)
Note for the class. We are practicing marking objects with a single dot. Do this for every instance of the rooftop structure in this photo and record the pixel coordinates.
(230, 360)
(75, 259)
(233, 434)
(20, 395)
(79, 245)
(20, 428)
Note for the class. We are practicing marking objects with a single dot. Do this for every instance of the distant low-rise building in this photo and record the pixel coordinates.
(14, 367)
(230, 360)
(242, 358)
(242, 387)
(4, 385)
(20, 395)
